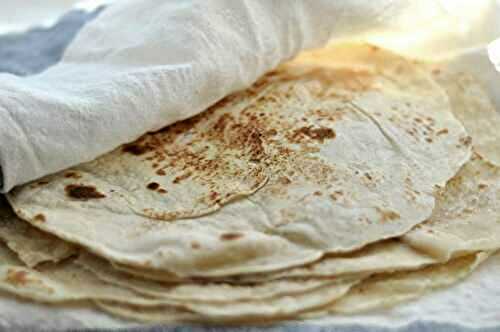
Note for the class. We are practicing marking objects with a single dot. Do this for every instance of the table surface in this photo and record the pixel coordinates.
(35, 50)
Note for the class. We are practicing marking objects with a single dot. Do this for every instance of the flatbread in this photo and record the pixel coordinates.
(384, 291)
(342, 157)
(70, 282)
(30, 244)
(201, 291)
(466, 220)
(383, 256)
(474, 108)
(380, 291)
(467, 214)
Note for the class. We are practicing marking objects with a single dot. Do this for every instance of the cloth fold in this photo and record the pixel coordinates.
(145, 64)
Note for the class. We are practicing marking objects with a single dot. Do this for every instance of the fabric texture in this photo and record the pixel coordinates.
(142, 65)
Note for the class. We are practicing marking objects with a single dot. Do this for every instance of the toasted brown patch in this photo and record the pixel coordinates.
(319, 134)
(17, 278)
(162, 191)
(153, 186)
(135, 149)
(182, 177)
(39, 218)
(284, 180)
(388, 215)
(482, 186)
(442, 132)
(161, 172)
(195, 245)
(83, 192)
(466, 141)
(336, 195)
(231, 236)
(72, 175)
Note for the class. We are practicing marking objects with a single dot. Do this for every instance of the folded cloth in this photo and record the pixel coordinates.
(144, 64)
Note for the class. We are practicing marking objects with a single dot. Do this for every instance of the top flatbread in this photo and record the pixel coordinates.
(313, 159)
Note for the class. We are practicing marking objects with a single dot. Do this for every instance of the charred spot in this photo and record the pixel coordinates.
(153, 186)
(317, 193)
(72, 175)
(231, 236)
(182, 177)
(161, 172)
(428, 140)
(368, 176)
(336, 195)
(319, 134)
(195, 245)
(482, 186)
(162, 191)
(222, 123)
(42, 183)
(271, 132)
(284, 180)
(442, 132)
(213, 195)
(17, 278)
(39, 218)
(135, 149)
(466, 141)
(82, 192)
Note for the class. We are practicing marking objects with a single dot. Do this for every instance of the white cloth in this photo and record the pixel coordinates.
(144, 64)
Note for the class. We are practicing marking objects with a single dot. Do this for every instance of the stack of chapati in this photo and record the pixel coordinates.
(346, 180)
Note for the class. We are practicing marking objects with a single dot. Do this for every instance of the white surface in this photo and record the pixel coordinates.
(142, 65)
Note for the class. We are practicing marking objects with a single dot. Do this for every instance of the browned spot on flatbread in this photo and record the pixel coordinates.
(230, 236)
(162, 191)
(72, 175)
(182, 177)
(195, 245)
(466, 141)
(284, 180)
(17, 278)
(436, 71)
(442, 132)
(387, 215)
(482, 186)
(153, 186)
(39, 218)
(136, 149)
(271, 132)
(83, 192)
(161, 172)
(319, 134)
